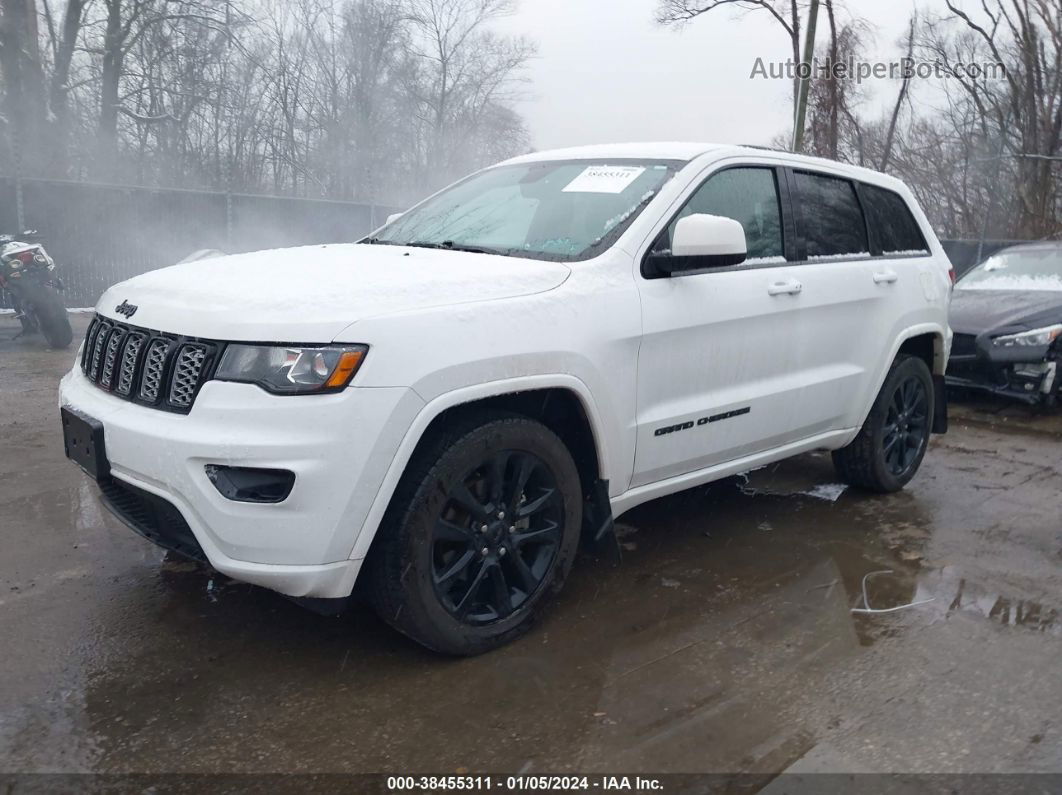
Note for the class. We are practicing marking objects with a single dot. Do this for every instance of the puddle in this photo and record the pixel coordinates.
(956, 594)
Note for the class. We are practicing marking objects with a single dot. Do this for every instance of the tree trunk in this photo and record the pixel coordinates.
(835, 99)
(111, 75)
(59, 98)
(24, 99)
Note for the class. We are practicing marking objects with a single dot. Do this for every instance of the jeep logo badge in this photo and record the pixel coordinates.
(126, 308)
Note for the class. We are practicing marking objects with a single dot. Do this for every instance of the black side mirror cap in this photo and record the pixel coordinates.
(665, 265)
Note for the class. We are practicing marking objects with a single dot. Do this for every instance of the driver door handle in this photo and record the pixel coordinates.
(790, 287)
(886, 277)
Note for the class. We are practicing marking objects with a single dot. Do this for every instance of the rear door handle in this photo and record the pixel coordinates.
(886, 277)
(790, 287)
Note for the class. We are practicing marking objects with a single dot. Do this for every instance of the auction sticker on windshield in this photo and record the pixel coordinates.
(604, 179)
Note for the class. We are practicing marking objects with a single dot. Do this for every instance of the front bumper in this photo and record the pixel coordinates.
(339, 447)
(1006, 374)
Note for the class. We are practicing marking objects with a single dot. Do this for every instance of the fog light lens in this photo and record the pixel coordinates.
(244, 484)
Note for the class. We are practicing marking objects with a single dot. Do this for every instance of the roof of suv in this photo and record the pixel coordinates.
(687, 151)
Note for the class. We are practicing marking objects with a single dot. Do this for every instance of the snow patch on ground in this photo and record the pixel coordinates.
(830, 492)
(84, 310)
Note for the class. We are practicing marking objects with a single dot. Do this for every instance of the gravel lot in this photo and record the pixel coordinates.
(723, 642)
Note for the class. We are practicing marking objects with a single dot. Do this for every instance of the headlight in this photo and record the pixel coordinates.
(1037, 338)
(291, 370)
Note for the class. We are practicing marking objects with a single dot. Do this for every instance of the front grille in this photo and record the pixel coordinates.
(154, 518)
(164, 371)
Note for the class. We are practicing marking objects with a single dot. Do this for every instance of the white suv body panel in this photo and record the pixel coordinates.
(447, 328)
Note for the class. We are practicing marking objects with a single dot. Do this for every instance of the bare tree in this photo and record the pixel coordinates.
(785, 13)
(24, 104)
(1022, 111)
(379, 100)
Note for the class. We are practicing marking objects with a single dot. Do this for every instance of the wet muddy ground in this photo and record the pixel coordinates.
(724, 641)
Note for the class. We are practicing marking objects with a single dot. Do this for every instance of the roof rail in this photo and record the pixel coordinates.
(766, 148)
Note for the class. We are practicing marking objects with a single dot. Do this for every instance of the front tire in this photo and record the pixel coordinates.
(890, 447)
(51, 315)
(480, 534)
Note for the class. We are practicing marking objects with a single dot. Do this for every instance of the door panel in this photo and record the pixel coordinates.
(715, 374)
(713, 363)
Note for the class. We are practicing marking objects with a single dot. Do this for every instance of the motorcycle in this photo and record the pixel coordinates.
(28, 275)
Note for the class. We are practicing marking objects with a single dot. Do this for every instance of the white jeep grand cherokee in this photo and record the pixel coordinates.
(441, 411)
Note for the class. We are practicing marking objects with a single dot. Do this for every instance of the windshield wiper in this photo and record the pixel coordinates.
(446, 245)
(449, 245)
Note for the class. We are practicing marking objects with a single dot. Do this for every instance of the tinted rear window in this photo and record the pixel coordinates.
(891, 219)
(833, 220)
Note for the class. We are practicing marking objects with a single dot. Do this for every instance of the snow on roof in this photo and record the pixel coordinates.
(645, 151)
(686, 151)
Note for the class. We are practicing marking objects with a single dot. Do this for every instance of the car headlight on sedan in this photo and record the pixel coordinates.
(1037, 338)
(292, 369)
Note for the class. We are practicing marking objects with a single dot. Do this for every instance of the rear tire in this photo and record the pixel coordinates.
(890, 447)
(52, 317)
(480, 534)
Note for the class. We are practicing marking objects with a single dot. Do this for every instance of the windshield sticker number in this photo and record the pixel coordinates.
(604, 179)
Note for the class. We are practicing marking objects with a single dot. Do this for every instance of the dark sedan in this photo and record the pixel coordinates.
(1007, 319)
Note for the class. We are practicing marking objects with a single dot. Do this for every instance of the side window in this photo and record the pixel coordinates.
(897, 230)
(747, 195)
(833, 220)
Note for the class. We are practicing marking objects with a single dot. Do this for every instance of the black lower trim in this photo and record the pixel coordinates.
(323, 607)
(940, 405)
(152, 517)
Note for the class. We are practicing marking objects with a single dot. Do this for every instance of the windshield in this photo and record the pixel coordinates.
(1031, 269)
(554, 210)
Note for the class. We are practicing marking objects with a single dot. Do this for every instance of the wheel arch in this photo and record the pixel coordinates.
(929, 346)
(562, 403)
(928, 341)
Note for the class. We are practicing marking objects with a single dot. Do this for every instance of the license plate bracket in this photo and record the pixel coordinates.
(83, 440)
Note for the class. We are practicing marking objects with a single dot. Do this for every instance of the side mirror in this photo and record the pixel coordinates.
(704, 241)
(392, 218)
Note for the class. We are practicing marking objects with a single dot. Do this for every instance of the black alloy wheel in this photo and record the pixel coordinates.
(480, 534)
(497, 537)
(889, 448)
(906, 429)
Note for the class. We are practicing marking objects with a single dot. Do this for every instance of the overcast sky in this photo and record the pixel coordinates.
(606, 71)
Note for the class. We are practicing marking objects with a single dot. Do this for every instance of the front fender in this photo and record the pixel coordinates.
(462, 396)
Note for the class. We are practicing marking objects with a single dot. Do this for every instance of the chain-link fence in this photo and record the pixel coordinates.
(102, 234)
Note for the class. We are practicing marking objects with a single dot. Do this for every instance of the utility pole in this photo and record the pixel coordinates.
(805, 82)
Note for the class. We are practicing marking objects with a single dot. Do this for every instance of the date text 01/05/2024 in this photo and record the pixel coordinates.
(542, 783)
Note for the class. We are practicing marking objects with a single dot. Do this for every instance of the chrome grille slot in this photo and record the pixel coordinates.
(90, 338)
(186, 374)
(97, 350)
(110, 357)
(154, 365)
(127, 374)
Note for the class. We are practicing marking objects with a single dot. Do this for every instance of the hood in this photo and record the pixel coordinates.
(311, 294)
(978, 311)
